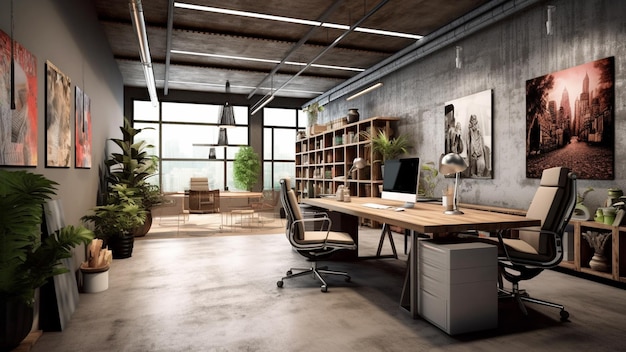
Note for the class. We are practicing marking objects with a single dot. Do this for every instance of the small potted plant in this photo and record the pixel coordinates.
(115, 223)
(26, 261)
(312, 111)
(246, 168)
(387, 147)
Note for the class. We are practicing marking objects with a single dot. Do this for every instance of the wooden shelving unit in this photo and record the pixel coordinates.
(583, 252)
(322, 160)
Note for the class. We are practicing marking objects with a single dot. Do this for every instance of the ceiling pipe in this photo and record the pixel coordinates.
(484, 16)
(168, 45)
(136, 15)
(334, 43)
(296, 46)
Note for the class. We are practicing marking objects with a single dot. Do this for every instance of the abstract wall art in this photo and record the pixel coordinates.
(18, 121)
(58, 118)
(82, 129)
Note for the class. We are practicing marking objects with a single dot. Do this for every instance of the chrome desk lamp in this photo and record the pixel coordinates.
(453, 163)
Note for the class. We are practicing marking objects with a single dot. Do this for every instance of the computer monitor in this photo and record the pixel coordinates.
(400, 180)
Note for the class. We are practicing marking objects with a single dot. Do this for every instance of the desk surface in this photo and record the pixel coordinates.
(226, 194)
(424, 217)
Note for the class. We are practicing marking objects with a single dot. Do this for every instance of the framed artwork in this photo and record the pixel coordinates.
(82, 129)
(468, 132)
(58, 111)
(18, 123)
(570, 121)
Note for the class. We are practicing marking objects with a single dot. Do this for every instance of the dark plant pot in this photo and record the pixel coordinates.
(122, 246)
(143, 229)
(17, 321)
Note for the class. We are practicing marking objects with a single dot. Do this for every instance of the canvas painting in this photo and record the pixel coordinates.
(58, 117)
(468, 132)
(18, 121)
(82, 129)
(570, 121)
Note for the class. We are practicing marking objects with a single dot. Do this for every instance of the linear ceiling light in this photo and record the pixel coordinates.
(270, 61)
(136, 15)
(365, 91)
(294, 20)
(261, 103)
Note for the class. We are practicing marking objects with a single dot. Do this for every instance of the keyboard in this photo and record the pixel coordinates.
(376, 206)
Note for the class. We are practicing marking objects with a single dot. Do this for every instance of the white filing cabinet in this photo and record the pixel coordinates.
(458, 286)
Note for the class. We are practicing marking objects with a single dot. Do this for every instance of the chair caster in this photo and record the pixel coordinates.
(279, 283)
(564, 315)
(324, 288)
(289, 273)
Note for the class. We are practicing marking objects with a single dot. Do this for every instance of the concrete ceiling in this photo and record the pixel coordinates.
(240, 36)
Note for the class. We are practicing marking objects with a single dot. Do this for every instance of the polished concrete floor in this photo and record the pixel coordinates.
(220, 294)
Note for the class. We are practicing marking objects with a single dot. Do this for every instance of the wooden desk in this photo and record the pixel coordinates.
(425, 218)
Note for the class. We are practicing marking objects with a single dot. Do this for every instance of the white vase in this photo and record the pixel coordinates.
(94, 282)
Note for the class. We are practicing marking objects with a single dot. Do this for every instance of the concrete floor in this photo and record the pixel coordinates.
(220, 294)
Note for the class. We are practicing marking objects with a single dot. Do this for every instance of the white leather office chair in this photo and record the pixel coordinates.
(314, 245)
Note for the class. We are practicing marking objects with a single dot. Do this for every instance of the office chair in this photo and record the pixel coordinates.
(314, 245)
(525, 253)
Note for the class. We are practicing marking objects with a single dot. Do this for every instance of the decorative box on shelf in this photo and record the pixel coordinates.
(315, 129)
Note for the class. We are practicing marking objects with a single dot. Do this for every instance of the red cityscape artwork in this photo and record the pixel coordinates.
(570, 121)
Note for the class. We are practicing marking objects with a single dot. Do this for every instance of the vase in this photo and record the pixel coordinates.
(581, 212)
(598, 241)
(122, 246)
(143, 229)
(353, 115)
(16, 322)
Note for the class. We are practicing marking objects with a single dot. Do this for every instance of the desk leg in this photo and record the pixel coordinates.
(409, 299)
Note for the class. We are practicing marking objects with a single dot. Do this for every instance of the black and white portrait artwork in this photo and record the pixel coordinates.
(468, 132)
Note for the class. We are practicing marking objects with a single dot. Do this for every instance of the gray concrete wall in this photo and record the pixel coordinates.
(502, 57)
(67, 33)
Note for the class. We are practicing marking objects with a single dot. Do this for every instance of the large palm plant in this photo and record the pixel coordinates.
(27, 262)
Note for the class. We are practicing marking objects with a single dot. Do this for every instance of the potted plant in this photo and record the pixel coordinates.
(26, 261)
(116, 222)
(312, 110)
(390, 148)
(132, 168)
(246, 168)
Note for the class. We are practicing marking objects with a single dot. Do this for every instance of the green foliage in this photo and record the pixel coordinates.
(26, 262)
(246, 168)
(389, 148)
(120, 217)
(129, 194)
(312, 111)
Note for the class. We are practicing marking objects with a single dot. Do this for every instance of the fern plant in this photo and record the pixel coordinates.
(26, 262)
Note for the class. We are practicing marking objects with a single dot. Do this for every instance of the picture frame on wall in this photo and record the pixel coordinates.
(82, 128)
(468, 132)
(58, 114)
(18, 123)
(570, 121)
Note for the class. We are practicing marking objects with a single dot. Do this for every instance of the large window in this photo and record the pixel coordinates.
(184, 135)
(280, 127)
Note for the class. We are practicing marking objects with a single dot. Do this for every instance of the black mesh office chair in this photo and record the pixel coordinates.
(525, 253)
(314, 245)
